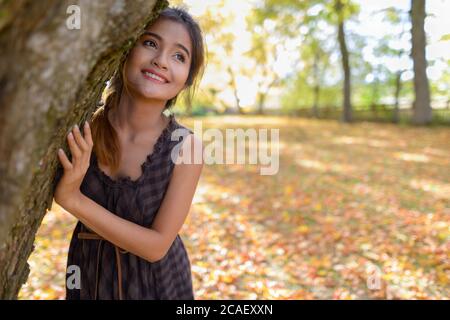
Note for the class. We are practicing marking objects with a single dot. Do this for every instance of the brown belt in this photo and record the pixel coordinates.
(118, 251)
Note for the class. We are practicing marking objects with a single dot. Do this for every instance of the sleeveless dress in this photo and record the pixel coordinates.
(107, 272)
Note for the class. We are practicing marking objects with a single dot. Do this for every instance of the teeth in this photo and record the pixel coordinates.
(154, 76)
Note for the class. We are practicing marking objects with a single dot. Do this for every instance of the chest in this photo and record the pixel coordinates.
(132, 158)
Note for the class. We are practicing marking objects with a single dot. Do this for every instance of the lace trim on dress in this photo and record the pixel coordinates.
(123, 181)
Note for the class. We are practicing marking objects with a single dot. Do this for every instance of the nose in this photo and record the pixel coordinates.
(159, 61)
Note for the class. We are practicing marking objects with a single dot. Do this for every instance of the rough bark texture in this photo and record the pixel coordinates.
(51, 77)
(421, 107)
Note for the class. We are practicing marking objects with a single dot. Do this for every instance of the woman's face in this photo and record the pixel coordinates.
(165, 50)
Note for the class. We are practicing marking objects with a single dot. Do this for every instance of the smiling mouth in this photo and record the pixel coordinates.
(153, 77)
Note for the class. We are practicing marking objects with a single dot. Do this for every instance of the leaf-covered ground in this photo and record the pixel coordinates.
(358, 211)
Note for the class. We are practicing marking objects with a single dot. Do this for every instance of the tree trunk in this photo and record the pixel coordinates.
(261, 100)
(422, 109)
(316, 100)
(316, 91)
(347, 112)
(237, 101)
(374, 104)
(51, 77)
(398, 88)
(235, 93)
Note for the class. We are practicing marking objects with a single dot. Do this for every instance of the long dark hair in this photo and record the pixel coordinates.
(106, 144)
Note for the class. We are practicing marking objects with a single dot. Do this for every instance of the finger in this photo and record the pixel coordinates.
(82, 144)
(76, 152)
(67, 165)
(88, 134)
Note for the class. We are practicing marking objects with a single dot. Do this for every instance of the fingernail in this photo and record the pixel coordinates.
(86, 124)
(76, 127)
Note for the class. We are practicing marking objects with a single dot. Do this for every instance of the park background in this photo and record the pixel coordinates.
(360, 206)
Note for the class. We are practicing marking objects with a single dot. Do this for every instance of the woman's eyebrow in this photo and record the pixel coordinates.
(157, 36)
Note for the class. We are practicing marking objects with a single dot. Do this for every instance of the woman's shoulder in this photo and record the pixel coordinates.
(178, 131)
(185, 143)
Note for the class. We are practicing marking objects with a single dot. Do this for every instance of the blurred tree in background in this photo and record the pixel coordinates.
(324, 59)
(421, 105)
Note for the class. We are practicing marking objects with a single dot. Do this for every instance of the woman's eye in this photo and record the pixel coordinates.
(149, 42)
(179, 55)
(182, 59)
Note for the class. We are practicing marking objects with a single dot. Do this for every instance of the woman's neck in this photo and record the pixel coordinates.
(135, 118)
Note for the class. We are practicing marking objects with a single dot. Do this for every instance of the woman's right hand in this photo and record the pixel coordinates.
(67, 191)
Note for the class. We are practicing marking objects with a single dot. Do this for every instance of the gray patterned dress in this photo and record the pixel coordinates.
(107, 272)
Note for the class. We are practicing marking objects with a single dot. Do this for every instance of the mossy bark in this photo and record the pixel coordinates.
(51, 77)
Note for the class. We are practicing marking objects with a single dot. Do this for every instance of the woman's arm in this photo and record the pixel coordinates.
(151, 243)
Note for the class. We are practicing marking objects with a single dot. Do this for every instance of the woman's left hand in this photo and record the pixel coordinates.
(67, 192)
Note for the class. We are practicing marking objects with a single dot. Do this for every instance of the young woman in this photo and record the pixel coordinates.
(123, 184)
